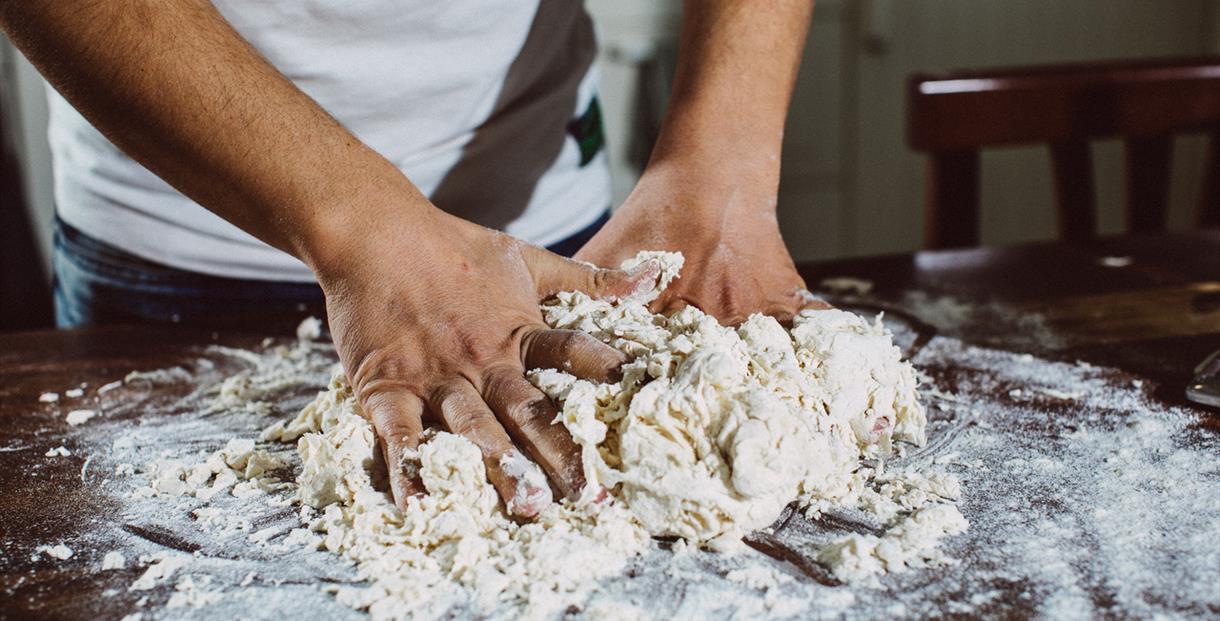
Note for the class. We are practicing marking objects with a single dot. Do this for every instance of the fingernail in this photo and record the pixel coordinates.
(532, 494)
(603, 495)
(651, 266)
(809, 298)
(645, 276)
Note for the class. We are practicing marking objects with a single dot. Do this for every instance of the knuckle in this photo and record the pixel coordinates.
(564, 344)
(462, 420)
(526, 338)
(474, 348)
(533, 422)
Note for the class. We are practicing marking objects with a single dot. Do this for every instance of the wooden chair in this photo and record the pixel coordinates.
(951, 116)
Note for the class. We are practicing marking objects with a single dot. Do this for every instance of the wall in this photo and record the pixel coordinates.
(1016, 193)
(26, 105)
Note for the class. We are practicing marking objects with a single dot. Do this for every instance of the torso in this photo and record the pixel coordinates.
(487, 137)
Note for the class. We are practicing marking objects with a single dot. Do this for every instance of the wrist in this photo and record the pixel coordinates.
(354, 234)
(702, 193)
(715, 145)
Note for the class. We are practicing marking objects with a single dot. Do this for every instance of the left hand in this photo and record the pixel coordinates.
(736, 261)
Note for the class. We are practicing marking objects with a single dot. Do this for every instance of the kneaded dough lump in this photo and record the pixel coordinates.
(710, 433)
(713, 430)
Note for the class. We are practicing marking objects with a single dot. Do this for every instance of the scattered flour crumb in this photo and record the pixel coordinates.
(161, 570)
(59, 451)
(1115, 261)
(57, 551)
(760, 577)
(74, 393)
(617, 611)
(1060, 394)
(109, 387)
(48, 397)
(114, 560)
(192, 593)
(263, 535)
(80, 417)
(847, 284)
(310, 329)
(911, 543)
(160, 376)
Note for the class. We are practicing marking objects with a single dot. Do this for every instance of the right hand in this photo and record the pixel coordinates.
(437, 318)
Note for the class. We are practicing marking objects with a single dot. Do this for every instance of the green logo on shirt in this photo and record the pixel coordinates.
(588, 132)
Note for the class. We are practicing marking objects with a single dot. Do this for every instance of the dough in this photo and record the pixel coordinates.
(711, 432)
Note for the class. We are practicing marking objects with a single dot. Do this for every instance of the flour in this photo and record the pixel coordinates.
(79, 417)
(193, 593)
(1098, 506)
(58, 551)
(161, 569)
(105, 388)
(847, 285)
(709, 434)
(909, 543)
(114, 560)
(222, 471)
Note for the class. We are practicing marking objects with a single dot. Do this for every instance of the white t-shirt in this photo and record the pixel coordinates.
(476, 101)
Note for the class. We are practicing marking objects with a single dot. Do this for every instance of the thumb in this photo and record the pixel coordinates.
(553, 273)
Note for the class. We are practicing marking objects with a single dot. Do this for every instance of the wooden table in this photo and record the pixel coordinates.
(1147, 305)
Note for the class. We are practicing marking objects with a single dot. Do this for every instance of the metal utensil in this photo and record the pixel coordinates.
(1205, 387)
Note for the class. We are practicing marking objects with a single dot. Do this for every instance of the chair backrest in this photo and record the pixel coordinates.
(951, 116)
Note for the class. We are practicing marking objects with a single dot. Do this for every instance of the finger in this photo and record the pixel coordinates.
(668, 305)
(553, 273)
(576, 352)
(397, 417)
(529, 417)
(801, 300)
(810, 301)
(518, 480)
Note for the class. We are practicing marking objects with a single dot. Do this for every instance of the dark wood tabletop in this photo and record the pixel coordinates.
(1149, 306)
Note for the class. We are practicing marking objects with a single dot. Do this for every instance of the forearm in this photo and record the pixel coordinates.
(175, 87)
(737, 64)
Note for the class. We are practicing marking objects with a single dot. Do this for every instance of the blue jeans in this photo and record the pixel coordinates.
(96, 283)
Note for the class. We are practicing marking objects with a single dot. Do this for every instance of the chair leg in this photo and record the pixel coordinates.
(1075, 201)
(1209, 197)
(952, 207)
(1147, 183)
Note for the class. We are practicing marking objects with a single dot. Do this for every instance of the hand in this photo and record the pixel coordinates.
(438, 318)
(736, 261)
